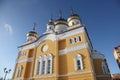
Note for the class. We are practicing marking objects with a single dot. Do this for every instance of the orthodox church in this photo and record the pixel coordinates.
(63, 52)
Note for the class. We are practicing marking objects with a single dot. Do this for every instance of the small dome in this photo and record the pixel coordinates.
(60, 21)
(32, 33)
(50, 22)
(73, 16)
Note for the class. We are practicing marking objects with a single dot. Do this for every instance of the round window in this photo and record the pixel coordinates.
(44, 48)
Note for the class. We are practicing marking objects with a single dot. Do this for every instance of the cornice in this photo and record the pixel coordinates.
(73, 48)
(24, 60)
(52, 37)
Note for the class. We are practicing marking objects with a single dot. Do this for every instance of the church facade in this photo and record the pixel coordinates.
(63, 52)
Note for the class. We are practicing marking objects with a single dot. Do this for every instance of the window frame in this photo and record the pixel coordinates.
(44, 65)
(76, 58)
(49, 57)
(19, 71)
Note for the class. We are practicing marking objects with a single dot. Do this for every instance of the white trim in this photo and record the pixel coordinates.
(63, 75)
(24, 60)
(19, 70)
(49, 57)
(53, 37)
(41, 59)
(44, 58)
(74, 32)
(38, 67)
(74, 73)
(76, 58)
(73, 48)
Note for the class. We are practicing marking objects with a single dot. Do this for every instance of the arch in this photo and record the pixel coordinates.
(78, 62)
(44, 64)
(38, 65)
(19, 71)
(49, 63)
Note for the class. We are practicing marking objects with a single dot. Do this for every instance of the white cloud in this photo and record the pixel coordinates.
(8, 28)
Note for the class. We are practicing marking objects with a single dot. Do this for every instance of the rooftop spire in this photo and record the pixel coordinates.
(51, 18)
(72, 12)
(60, 13)
(34, 26)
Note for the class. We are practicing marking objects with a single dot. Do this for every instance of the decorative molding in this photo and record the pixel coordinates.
(53, 37)
(32, 45)
(41, 59)
(74, 32)
(73, 48)
(76, 58)
(74, 73)
(24, 60)
(63, 75)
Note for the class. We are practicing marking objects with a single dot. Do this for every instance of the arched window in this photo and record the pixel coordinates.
(49, 64)
(104, 68)
(44, 64)
(78, 62)
(38, 65)
(19, 71)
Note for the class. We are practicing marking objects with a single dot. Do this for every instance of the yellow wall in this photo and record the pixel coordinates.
(52, 49)
(63, 64)
(62, 44)
(26, 66)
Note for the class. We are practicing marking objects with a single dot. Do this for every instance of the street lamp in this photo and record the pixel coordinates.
(6, 72)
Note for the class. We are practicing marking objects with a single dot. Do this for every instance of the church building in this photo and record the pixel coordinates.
(63, 52)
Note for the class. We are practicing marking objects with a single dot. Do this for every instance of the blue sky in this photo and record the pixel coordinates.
(101, 18)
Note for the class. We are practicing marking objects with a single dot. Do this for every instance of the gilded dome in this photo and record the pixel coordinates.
(60, 21)
(73, 16)
(32, 33)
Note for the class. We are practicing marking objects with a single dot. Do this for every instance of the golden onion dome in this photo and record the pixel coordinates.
(73, 16)
(32, 33)
(60, 21)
